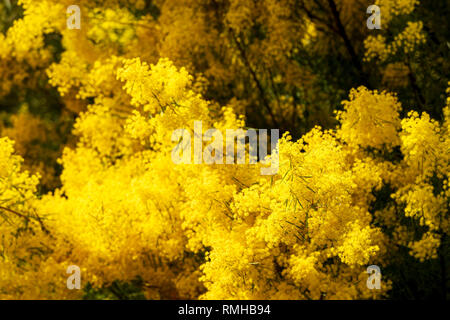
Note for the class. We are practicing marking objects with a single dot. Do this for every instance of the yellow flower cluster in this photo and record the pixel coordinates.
(411, 37)
(370, 119)
(392, 8)
(16, 187)
(27, 270)
(25, 131)
(111, 26)
(405, 41)
(22, 47)
(126, 211)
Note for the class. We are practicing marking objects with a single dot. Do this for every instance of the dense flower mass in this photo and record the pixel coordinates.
(363, 173)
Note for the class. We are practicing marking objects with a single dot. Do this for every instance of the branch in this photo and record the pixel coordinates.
(43, 228)
(255, 78)
(415, 86)
(347, 42)
(316, 18)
